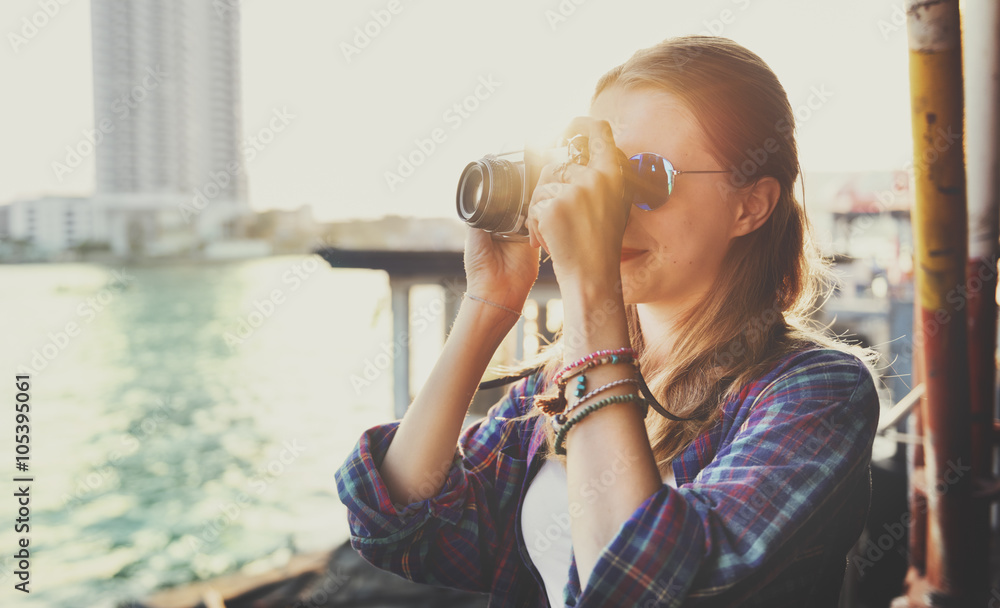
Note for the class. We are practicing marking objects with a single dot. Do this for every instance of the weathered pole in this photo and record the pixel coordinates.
(940, 229)
(982, 114)
(917, 476)
(400, 298)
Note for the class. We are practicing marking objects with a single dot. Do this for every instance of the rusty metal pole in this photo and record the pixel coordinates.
(981, 57)
(917, 487)
(935, 41)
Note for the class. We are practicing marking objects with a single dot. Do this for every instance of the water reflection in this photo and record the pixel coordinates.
(162, 453)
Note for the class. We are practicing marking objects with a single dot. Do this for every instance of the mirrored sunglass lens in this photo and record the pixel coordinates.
(651, 180)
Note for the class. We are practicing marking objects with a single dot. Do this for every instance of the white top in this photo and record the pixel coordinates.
(545, 523)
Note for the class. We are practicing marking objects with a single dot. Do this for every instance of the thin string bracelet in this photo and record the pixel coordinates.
(484, 301)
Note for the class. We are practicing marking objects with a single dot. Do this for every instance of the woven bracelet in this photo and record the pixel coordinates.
(563, 416)
(563, 429)
(557, 403)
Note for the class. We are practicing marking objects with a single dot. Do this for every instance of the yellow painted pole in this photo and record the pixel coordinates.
(940, 230)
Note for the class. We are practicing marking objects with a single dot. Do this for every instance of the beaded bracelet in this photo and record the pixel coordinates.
(563, 378)
(564, 415)
(552, 405)
(563, 429)
(626, 351)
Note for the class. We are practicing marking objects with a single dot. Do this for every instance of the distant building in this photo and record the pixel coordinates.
(394, 232)
(53, 224)
(293, 224)
(289, 230)
(170, 167)
(4, 222)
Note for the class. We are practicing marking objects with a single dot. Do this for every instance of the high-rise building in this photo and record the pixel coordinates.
(167, 107)
(167, 79)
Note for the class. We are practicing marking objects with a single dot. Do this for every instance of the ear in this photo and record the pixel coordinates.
(756, 205)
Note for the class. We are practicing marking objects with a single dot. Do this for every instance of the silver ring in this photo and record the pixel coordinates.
(577, 149)
(560, 172)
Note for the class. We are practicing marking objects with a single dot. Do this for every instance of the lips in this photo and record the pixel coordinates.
(628, 253)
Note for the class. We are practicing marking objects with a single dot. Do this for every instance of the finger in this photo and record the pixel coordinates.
(546, 191)
(548, 175)
(534, 221)
(534, 236)
(529, 222)
(473, 237)
(565, 172)
(604, 155)
(555, 174)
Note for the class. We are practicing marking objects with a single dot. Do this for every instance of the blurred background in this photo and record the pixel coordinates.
(170, 169)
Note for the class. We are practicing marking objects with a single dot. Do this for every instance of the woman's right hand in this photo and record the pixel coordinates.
(497, 270)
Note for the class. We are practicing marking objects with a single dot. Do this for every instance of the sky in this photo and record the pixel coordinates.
(358, 101)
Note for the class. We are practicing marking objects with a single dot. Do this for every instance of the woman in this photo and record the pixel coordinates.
(748, 481)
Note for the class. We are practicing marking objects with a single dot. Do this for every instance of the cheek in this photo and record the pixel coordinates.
(687, 245)
(685, 239)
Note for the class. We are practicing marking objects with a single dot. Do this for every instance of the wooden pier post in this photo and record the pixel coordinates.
(400, 290)
(409, 268)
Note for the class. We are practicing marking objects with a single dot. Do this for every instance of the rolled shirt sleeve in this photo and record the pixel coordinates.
(450, 539)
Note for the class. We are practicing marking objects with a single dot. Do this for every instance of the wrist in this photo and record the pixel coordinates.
(598, 272)
(502, 295)
(515, 312)
(588, 295)
(593, 316)
(489, 322)
(592, 284)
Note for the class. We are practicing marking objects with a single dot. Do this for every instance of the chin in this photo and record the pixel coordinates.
(643, 285)
(630, 294)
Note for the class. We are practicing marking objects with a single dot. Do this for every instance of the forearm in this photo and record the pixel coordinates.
(422, 450)
(594, 319)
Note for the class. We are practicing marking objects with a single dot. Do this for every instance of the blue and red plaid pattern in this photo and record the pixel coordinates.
(768, 503)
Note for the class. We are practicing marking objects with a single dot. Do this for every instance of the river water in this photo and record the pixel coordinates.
(186, 420)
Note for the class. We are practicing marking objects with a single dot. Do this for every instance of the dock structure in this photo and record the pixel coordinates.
(327, 579)
(446, 269)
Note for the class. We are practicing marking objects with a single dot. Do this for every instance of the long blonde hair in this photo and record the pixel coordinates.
(760, 306)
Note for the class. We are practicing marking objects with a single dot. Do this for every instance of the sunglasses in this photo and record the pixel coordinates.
(651, 181)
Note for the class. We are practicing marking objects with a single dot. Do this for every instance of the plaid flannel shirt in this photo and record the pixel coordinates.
(768, 503)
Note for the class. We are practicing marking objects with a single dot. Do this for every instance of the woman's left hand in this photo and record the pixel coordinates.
(576, 212)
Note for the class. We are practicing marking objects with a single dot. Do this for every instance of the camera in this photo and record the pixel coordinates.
(494, 191)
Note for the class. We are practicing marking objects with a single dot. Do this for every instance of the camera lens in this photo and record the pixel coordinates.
(490, 193)
(470, 190)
